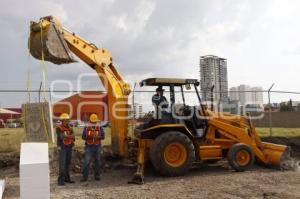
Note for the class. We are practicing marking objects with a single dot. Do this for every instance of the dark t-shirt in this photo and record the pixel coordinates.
(102, 133)
(60, 138)
(160, 101)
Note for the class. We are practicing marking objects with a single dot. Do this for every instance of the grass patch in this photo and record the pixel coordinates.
(11, 139)
(280, 132)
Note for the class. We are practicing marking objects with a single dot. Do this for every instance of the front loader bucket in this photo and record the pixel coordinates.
(276, 155)
(48, 44)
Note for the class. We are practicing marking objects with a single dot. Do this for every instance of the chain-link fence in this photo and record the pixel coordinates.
(271, 108)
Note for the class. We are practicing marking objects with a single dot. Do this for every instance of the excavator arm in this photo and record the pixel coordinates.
(51, 42)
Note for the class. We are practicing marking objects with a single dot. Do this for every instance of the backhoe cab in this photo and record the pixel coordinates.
(175, 115)
(187, 134)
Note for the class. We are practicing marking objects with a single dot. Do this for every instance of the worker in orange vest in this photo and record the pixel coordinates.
(93, 133)
(65, 143)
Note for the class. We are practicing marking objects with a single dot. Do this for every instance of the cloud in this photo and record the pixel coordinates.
(162, 38)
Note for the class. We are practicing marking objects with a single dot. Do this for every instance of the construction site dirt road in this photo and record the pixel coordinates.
(213, 181)
(206, 181)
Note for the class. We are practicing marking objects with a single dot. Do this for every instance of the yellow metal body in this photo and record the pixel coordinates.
(210, 152)
(100, 60)
(224, 130)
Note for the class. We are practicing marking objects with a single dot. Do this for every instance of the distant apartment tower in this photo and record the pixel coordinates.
(257, 95)
(246, 94)
(234, 94)
(213, 72)
(137, 111)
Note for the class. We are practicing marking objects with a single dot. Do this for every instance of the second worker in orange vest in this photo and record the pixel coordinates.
(93, 133)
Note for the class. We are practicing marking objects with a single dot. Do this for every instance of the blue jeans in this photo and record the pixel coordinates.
(91, 151)
(65, 155)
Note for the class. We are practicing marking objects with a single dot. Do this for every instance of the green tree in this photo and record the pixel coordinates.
(285, 107)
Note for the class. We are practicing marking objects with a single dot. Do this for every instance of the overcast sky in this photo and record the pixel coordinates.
(259, 38)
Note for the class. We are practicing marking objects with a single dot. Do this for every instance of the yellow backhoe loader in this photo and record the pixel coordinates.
(181, 135)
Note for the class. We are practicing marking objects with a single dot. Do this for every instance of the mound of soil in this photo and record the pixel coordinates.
(9, 159)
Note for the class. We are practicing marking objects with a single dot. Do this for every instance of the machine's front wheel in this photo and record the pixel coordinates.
(172, 153)
(240, 157)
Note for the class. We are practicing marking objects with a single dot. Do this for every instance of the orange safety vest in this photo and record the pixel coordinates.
(66, 131)
(92, 135)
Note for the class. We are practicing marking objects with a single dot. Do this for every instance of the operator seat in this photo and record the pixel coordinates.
(193, 122)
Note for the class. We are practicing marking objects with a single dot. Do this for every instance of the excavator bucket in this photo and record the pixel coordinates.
(279, 156)
(47, 43)
(276, 155)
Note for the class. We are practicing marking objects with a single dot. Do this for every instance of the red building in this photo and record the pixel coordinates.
(6, 114)
(81, 105)
(17, 110)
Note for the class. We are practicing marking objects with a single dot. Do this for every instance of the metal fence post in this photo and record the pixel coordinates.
(50, 97)
(212, 97)
(132, 109)
(270, 107)
(40, 92)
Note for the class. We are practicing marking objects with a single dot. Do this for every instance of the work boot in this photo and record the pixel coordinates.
(83, 180)
(97, 178)
(61, 184)
(70, 181)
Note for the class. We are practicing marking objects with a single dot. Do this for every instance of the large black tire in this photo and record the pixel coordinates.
(240, 157)
(160, 147)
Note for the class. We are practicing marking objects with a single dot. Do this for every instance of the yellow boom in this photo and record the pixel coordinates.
(51, 42)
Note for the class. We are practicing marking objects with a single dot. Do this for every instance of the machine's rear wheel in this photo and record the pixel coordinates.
(172, 153)
(240, 157)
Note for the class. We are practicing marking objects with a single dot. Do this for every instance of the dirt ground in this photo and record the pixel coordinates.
(210, 181)
(204, 181)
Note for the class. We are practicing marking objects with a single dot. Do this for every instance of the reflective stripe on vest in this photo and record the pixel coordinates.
(92, 135)
(66, 131)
